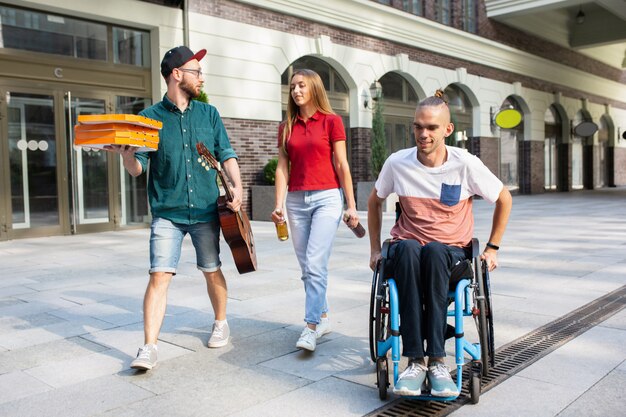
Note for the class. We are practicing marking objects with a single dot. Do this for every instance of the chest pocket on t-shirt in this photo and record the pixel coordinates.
(450, 194)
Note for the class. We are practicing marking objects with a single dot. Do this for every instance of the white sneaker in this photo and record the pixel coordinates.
(219, 336)
(323, 327)
(308, 339)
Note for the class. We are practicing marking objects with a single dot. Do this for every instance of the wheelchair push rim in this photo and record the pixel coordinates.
(379, 311)
(483, 318)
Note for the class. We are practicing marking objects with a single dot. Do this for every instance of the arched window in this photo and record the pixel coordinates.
(460, 114)
(600, 154)
(336, 89)
(332, 80)
(553, 131)
(577, 152)
(399, 101)
(509, 148)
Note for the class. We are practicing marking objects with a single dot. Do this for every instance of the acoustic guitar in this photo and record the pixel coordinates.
(235, 225)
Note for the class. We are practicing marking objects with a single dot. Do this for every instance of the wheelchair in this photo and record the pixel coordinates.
(469, 297)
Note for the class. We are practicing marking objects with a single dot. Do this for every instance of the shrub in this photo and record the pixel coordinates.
(269, 171)
(202, 97)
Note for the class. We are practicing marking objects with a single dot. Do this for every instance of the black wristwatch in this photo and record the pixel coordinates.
(492, 246)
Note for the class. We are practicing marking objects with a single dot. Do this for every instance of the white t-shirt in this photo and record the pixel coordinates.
(436, 202)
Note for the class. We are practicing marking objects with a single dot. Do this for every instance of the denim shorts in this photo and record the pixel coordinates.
(166, 239)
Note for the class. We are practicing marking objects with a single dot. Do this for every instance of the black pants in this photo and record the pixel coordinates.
(422, 275)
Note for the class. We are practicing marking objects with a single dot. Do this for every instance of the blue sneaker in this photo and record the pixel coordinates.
(410, 381)
(441, 383)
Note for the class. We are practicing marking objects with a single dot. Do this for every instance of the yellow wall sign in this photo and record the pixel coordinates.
(508, 118)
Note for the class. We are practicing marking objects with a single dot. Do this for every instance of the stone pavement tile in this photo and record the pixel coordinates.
(13, 323)
(184, 372)
(216, 395)
(261, 287)
(57, 277)
(17, 384)
(582, 362)
(329, 397)
(14, 290)
(604, 279)
(533, 292)
(129, 339)
(79, 400)
(519, 397)
(37, 335)
(262, 347)
(82, 294)
(80, 369)
(13, 306)
(618, 321)
(101, 311)
(291, 299)
(193, 329)
(47, 353)
(330, 357)
(604, 399)
(350, 322)
(510, 325)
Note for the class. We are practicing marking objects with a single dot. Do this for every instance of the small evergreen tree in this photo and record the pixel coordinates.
(269, 171)
(379, 143)
(202, 97)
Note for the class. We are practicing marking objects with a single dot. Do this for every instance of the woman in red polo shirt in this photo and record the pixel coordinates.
(312, 161)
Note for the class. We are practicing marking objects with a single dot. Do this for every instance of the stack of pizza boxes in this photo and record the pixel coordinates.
(98, 131)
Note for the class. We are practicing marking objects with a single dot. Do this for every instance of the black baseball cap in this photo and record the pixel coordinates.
(177, 57)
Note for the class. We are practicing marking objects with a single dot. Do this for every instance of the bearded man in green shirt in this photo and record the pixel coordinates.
(183, 195)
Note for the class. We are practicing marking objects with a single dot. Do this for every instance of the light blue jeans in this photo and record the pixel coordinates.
(314, 218)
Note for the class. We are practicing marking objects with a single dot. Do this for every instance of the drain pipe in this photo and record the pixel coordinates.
(186, 23)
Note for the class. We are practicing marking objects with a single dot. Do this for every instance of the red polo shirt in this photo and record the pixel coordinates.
(310, 150)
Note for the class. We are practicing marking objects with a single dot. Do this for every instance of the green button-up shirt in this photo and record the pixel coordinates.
(180, 189)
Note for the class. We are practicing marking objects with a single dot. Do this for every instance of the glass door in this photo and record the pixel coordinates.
(29, 138)
(92, 171)
(48, 186)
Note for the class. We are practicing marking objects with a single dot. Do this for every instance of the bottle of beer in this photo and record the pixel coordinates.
(281, 228)
(358, 230)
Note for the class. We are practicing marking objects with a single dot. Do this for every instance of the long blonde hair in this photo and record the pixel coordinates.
(318, 97)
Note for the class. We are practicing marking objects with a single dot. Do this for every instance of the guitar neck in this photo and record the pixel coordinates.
(226, 184)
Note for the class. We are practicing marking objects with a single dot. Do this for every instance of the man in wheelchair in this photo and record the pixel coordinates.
(435, 184)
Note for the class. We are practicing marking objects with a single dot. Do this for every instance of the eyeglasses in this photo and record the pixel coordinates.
(198, 72)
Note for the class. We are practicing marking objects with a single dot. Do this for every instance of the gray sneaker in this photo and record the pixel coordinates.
(220, 335)
(441, 383)
(411, 380)
(146, 358)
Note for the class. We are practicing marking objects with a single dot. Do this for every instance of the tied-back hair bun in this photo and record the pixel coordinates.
(436, 100)
(440, 95)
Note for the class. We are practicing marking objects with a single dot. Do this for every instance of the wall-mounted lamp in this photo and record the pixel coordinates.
(580, 16)
(622, 135)
(376, 92)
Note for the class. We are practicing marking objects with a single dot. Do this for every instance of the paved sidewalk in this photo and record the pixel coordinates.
(71, 322)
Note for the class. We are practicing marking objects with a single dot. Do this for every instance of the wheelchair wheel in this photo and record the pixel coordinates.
(382, 377)
(481, 313)
(379, 312)
(474, 386)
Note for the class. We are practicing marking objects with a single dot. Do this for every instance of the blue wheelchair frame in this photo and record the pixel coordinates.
(465, 305)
